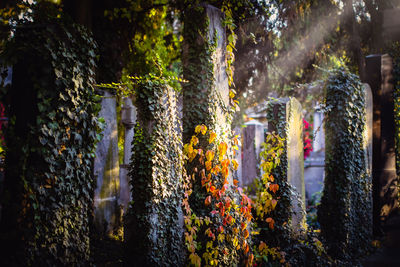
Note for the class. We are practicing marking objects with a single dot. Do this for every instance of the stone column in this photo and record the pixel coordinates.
(253, 137)
(128, 118)
(285, 118)
(106, 168)
(379, 77)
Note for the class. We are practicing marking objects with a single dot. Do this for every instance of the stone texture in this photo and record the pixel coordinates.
(253, 137)
(128, 118)
(205, 101)
(106, 169)
(319, 132)
(379, 77)
(293, 123)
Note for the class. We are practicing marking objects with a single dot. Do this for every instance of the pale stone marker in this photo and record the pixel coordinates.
(205, 101)
(253, 137)
(128, 118)
(106, 168)
(292, 129)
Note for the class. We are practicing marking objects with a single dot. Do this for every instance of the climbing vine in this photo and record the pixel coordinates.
(346, 199)
(51, 139)
(218, 233)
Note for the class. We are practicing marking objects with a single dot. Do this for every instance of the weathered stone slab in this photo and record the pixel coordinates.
(253, 137)
(128, 118)
(206, 95)
(106, 168)
(287, 121)
(379, 77)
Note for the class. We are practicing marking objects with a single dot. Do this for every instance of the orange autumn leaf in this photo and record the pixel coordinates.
(225, 163)
(235, 182)
(246, 248)
(274, 187)
(208, 165)
(225, 172)
(210, 155)
(270, 222)
(262, 246)
(207, 201)
(212, 137)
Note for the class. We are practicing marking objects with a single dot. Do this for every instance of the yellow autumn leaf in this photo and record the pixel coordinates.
(222, 148)
(235, 164)
(210, 155)
(194, 141)
(197, 129)
(212, 137)
(231, 94)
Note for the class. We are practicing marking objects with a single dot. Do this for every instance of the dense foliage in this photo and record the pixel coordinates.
(346, 200)
(153, 229)
(218, 229)
(51, 139)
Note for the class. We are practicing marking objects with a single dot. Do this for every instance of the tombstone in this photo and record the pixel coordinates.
(106, 169)
(319, 132)
(315, 163)
(368, 139)
(287, 121)
(253, 137)
(128, 119)
(379, 77)
(206, 95)
(154, 223)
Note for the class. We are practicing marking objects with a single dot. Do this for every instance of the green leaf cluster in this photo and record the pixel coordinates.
(51, 139)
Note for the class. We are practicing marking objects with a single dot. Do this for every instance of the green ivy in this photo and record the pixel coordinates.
(153, 227)
(345, 210)
(277, 117)
(52, 134)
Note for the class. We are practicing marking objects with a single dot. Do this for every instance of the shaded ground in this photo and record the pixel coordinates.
(107, 252)
(389, 254)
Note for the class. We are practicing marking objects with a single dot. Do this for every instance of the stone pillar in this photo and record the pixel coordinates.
(106, 169)
(253, 137)
(285, 118)
(128, 118)
(206, 95)
(379, 77)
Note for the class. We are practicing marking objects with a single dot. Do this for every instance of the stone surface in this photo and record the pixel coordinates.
(314, 167)
(379, 77)
(295, 154)
(128, 118)
(106, 169)
(319, 132)
(205, 101)
(252, 138)
(391, 24)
